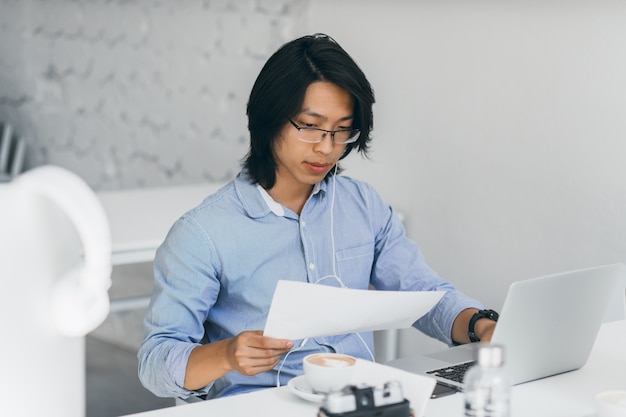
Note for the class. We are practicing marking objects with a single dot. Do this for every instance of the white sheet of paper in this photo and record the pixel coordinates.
(300, 310)
(415, 387)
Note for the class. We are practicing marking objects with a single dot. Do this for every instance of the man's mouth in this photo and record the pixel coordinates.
(318, 168)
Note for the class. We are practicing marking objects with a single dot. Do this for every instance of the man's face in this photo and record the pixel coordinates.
(300, 165)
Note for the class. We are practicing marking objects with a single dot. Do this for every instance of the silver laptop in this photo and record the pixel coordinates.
(547, 326)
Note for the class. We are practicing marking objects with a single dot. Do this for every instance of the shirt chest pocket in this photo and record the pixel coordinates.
(354, 265)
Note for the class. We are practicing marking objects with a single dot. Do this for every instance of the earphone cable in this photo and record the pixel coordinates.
(304, 341)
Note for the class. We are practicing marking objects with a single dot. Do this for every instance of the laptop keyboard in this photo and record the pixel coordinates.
(453, 373)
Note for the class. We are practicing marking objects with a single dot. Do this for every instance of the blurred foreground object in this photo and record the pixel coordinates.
(55, 272)
(487, 389)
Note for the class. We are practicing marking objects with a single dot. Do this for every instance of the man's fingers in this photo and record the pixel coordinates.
(257, 340)
(248, 365)
(252, 353)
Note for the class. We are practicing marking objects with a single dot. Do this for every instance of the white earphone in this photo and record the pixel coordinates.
(79, 299)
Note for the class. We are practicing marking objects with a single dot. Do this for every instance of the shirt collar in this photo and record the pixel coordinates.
(275, 207)
(257, 202)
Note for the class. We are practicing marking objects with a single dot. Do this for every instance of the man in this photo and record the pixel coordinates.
(287, 215)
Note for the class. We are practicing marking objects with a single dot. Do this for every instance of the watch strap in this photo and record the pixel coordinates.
(481, 314)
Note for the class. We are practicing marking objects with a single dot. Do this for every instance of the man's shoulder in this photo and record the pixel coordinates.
(221, 200)
(357, 185)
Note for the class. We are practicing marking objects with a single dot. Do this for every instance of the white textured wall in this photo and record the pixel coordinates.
(136, 93)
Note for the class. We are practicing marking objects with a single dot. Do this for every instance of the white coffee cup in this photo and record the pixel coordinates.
(327, 372)
(611, 404)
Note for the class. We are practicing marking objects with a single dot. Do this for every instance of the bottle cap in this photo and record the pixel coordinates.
(490, 356)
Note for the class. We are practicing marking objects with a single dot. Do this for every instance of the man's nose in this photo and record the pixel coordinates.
(326, 145)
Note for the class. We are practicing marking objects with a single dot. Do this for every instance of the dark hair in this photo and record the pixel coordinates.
(278, 94)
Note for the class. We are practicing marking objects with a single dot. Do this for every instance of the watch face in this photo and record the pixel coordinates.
(490, 314)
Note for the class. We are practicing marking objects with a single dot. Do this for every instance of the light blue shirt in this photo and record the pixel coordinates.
(216, 272)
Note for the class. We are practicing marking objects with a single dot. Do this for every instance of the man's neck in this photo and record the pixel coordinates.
(293, 198)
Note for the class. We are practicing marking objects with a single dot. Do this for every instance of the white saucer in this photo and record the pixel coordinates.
(301, 388)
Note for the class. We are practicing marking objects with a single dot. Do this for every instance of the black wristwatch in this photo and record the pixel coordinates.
(482, 314)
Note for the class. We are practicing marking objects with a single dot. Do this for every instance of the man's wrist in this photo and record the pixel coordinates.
(475, 329)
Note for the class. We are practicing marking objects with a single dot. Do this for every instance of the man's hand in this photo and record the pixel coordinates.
(248, 353)
(251, 353)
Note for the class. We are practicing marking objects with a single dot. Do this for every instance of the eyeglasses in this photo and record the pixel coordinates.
(315, 135)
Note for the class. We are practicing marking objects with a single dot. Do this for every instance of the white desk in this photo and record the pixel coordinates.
(566, 395)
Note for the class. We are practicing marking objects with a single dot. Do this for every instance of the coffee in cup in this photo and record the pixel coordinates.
(326, 372)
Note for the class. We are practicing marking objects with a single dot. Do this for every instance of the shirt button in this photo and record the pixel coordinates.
(302, 224)
(311, 266)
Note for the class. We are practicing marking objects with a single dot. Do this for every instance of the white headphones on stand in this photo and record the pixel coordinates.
(79, 299)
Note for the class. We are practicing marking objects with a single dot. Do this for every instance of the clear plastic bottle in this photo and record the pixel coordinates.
(487, 389)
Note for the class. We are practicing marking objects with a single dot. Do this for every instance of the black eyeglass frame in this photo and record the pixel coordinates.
(352, 139)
